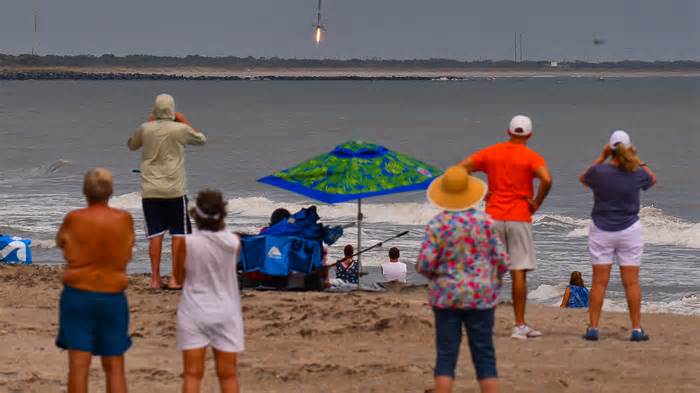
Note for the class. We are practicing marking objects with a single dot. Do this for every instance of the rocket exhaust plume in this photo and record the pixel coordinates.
(319, 35)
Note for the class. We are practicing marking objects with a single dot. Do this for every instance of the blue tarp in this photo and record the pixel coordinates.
(292, 245)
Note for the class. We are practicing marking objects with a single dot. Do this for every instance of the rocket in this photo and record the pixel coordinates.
(319, 28)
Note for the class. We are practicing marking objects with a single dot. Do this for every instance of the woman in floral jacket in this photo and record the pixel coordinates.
(465, 262)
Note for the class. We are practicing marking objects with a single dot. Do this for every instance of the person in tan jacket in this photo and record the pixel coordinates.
(163, 181)
(97, 244)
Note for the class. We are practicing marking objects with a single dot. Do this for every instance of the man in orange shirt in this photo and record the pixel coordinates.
(94, 314)
(511, 168)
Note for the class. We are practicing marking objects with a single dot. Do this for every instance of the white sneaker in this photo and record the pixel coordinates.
(524, 332)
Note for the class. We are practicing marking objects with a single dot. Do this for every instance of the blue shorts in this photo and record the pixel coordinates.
(448, 337)
(94, 322)
(163, 215)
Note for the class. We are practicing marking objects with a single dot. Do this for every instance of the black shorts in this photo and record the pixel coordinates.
(164, 215)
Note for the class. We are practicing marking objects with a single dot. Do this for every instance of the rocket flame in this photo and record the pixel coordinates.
(318, 35)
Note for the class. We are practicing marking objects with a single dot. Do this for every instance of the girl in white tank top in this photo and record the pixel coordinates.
(209, 313)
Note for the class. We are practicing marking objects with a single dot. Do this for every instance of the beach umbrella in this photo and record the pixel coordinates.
(355, 170)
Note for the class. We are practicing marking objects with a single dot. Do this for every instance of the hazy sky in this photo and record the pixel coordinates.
(460, 29)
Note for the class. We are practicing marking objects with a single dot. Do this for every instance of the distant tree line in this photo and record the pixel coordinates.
(145, 61)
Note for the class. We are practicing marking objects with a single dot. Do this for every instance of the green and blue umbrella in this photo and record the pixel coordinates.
(353, 171)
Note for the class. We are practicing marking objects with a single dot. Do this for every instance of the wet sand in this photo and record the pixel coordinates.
(346, 342)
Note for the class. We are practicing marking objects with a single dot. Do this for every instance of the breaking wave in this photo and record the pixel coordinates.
(688, 304)
(659, 227)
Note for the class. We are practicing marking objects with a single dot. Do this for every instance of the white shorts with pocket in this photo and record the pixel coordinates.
(625, 246)
(517, 239)
(225, 336)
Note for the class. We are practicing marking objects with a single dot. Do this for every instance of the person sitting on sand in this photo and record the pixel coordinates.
(209, 312)
(616, 232)
(576, 294)
(163, 180)
(347, 269)
(97, 244)
(465, 261)
(394, 270)
(277, 216)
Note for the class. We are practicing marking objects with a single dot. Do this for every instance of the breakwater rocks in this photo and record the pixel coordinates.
(119, 76)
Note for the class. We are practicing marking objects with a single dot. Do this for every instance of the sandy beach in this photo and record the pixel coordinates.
(362, 72)
(346, 342)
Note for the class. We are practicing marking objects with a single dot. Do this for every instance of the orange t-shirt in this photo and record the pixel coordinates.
(510, 168)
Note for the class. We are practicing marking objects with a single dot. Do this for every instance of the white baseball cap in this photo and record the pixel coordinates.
(618, 137)
(520, 125)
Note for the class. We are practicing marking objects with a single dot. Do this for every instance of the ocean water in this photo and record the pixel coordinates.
(52, 131)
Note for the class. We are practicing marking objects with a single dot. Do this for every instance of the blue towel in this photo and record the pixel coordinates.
(578, 297)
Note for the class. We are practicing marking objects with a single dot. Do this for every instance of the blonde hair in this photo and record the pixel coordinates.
(97, 185)
(626, 157)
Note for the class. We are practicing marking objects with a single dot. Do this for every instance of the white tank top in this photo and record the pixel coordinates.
(394, 271)
(210, 291)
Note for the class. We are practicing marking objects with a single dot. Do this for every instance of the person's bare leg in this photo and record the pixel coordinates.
(519, 295)
(78, 371)
(226, 371)
(114, 372)
(155, 247)
(443, 384)
(488, 385)
(630, 280)
(601, 277)
(178, 254)
(193, 369)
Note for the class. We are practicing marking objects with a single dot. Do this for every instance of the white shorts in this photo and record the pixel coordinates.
(516, 236)
(225, 336)
(625, 246)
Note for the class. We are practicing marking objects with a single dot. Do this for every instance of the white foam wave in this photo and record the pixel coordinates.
(403, 213)
(128, 201)
(46, 244)
(547, 292)
(687, 305)
(659, 227)
(552, 295)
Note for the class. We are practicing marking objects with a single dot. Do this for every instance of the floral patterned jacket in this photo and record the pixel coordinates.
(464, 260)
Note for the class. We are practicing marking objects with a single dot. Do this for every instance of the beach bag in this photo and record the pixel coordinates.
(15, 250)
(279, 255)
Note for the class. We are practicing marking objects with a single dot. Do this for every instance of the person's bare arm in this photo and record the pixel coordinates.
(62, 234)
(607, 152)
(545, 180)
(645, 168)
(468, 164)
(132, 235)
(565, 300)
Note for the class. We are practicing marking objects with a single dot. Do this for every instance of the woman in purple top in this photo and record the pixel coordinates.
(616, 232)
(465, 263)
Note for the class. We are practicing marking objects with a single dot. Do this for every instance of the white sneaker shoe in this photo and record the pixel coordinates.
(524, 332)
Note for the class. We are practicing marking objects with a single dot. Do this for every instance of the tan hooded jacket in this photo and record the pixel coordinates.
(163, 141)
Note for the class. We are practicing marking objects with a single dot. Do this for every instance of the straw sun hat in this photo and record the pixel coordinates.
(456, 190)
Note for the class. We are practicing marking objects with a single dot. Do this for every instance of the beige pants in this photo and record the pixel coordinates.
(517, 238)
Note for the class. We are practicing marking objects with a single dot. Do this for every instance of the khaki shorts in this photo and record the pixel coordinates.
(517, 238)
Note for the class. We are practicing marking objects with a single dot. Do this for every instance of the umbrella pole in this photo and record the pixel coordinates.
(359, 240)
